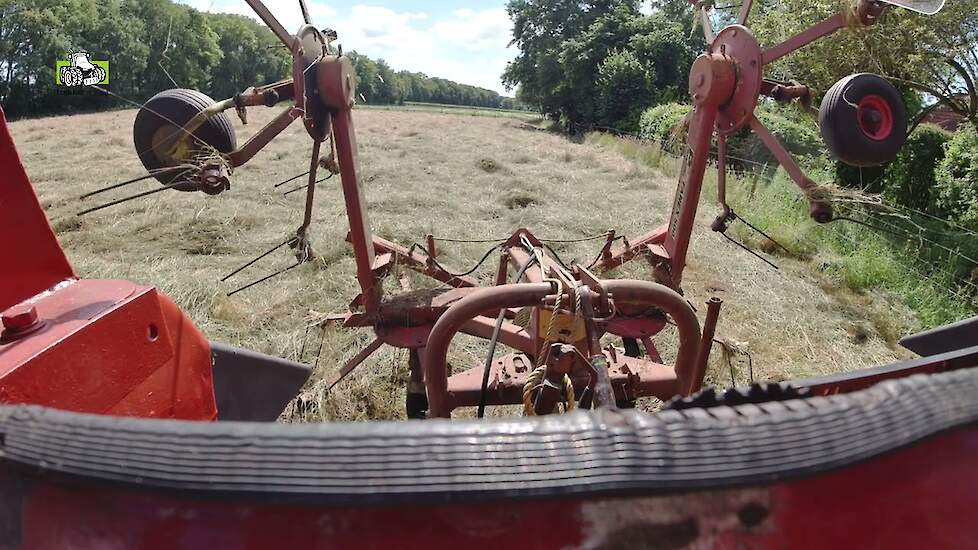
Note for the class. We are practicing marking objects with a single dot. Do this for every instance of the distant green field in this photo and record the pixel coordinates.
(453, 109)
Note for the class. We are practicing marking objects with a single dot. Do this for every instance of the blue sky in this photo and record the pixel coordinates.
(462, 41)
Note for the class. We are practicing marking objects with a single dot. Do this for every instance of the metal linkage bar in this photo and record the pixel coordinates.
(804, 38)
(745, 8)
(265, 136)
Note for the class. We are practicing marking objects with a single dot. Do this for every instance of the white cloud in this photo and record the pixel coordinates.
(374, 28)
(465, 45)
(483, 30)
(468, 46)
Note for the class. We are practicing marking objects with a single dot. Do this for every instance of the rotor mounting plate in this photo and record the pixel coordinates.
(739, 44)
(309, 49)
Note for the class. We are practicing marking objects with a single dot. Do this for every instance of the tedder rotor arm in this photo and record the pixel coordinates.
(821, 209)
(264, 136)
(266, 16)
(690, 186)
(336, 82)
(267, 96)
(745, 8)
(802, 39)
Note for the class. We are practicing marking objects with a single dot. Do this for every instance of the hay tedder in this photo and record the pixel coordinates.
(121, 425)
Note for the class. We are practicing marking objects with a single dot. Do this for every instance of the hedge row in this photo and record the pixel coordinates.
(957, 178)
(936, 172)
(662, 124)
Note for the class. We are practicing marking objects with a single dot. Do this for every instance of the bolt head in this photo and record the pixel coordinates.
(19, 318)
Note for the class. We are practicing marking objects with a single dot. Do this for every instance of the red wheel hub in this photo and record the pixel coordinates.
(875, 117)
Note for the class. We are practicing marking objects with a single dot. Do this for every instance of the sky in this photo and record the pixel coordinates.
(464, 41)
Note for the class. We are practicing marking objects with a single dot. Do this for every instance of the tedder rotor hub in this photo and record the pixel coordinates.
(737, 46)
(337, 83)
(875, 117)
(309, 49)
(712, 79)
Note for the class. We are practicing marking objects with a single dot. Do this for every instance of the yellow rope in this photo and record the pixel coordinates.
(535, 381)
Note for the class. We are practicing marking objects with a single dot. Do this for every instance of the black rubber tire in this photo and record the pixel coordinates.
(178, 106)
(603, 453)
(840, 126)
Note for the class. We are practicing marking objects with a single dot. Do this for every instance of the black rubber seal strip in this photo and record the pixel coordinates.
(581, 454)
(943, 339)
(963, 358)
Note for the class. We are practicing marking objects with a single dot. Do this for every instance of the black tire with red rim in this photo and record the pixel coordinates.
(863, 120)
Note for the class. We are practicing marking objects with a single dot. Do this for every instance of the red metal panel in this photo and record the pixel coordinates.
(30, 256)
(110, 347)
(922, 497)
(183, 388)
(97, 346)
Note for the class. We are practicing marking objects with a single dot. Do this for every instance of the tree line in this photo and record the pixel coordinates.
(153, 45)
(600, 62)
(603, 62)
(379, 84)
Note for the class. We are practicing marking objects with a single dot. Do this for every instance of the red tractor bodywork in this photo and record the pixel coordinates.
(107, 347)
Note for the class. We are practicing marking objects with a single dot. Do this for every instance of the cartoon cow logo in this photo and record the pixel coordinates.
(80, 70)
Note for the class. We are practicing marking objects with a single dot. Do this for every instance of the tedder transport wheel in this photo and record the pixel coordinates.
(863, 120)
(159, 123)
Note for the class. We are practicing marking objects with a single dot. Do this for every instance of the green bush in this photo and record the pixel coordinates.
(868, 178)
(660, 123)
(622, 81)
(957, 179)
(798, 135)
(909, 179)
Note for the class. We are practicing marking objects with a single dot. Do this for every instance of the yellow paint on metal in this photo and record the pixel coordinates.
(567, 329)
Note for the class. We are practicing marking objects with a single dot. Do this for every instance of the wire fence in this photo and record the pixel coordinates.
(908, 226)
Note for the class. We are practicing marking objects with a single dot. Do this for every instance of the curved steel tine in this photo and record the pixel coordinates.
(290, 180)
(264, 279)
(132, 198)
(306, 186)
(152, 174)
(290, 242)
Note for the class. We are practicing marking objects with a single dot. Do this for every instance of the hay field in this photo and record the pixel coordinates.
(450, 174)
